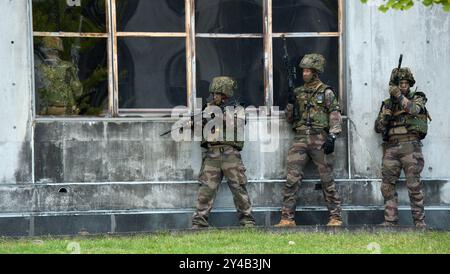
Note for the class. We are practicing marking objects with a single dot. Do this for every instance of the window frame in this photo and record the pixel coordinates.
(190, 35)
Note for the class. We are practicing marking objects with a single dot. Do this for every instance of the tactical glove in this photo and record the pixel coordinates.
(328, 146)
(394, 91)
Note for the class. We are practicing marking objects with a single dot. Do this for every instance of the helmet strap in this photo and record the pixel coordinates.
(314, 78)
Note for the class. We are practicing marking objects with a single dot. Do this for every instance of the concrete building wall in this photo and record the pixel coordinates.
(15, 93)
(133, 151)
(121, 166)
(374, 41)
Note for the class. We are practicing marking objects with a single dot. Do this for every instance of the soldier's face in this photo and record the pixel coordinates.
(308, 75)
(404, 86)
(217, 98)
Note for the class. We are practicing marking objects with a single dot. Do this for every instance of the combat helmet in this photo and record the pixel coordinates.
(404, 74)
(52, 43)
(223, 84)
(313, 61)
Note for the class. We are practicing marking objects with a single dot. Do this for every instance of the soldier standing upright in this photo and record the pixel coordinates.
(316, 117)
(223, 157)
(57, 84)
(403, 122)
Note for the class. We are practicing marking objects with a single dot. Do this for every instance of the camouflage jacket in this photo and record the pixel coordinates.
(221, 135)
(409, 116)
(319, 109)
(60, 85)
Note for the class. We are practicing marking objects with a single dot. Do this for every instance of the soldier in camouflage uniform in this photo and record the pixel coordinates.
(403, 122)
(316, 119)
(222, 157)
(57, 80)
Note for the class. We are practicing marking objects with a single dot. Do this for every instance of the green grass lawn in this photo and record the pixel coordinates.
(251, 241)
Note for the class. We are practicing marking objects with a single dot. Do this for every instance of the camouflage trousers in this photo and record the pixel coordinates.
(407, 156)
(218, 162)
(304, 148)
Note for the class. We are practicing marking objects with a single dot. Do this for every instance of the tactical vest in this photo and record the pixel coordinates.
(405, 123)
(313, 112)
(239, 145)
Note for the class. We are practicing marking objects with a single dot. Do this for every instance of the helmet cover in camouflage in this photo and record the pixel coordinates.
(54, 43)
(404, 74)
(313, 61)
(223, 84)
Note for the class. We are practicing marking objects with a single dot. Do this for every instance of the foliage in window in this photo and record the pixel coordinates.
(68, 81)
(58, 15)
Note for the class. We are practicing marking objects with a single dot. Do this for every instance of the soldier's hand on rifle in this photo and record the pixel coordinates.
(386, 112)
(289, 112)
(328, 146)
(395, 76)
(289, 107)
(291, 98)
(394, 91)
(386, 115)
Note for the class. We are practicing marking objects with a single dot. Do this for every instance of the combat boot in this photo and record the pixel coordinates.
(334, 222)
(248, 225)
(286, 223)
(421, 224)
(389, 224)
(199, 226)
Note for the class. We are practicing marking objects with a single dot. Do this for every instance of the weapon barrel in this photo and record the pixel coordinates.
(400, 60)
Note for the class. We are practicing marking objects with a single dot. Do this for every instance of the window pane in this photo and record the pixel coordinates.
(151, 16)
(297, 48)
(241, 59)
(71, 76)
(152, 72)
(305, 16)
(67, 16)
(229, 16)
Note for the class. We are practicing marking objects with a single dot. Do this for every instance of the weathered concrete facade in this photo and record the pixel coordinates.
(16, 94)
(374, 42)
(117, 175)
